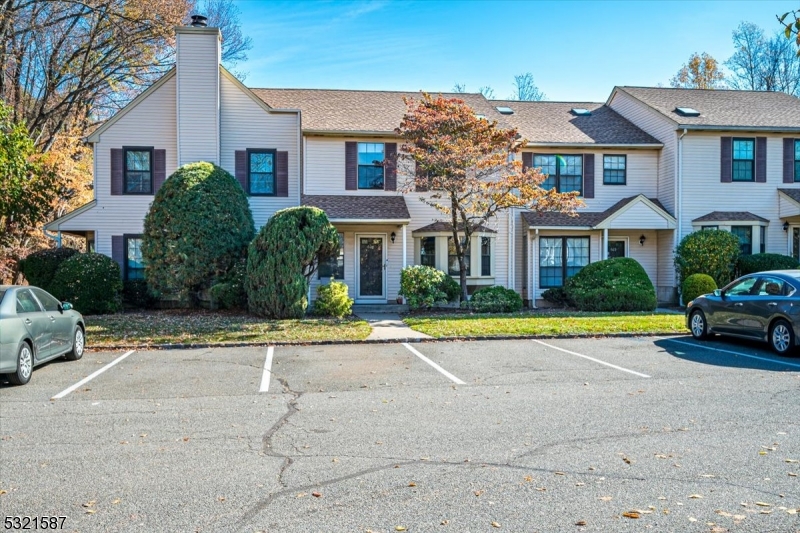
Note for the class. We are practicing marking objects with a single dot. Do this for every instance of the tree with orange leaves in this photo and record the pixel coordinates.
(466, 163)
(701, 72)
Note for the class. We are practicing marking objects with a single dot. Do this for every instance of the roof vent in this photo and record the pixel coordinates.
(504, 110)
(199, 21)
(687, 112)
(581, 112)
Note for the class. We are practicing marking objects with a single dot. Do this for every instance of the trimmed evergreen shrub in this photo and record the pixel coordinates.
(747, 264)
(198, 226)
(696, 285)
(557, 296)
(451, 288)
(421, 285)
(618, 284)
(229, 292)
(713, 252)
(39, 268)
(91, 283)
(282, 258)
(136, 294)
(332, 300)
(495, 299)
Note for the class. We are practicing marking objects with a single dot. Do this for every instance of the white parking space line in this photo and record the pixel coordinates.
(447, 374)
(740, 354)
(592, 359)
(267, 375)
(91, 376)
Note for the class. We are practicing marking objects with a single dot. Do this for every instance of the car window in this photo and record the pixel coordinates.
(26, 303)
(742, 288)
(773, 287)
(49, 303)
(2, 295)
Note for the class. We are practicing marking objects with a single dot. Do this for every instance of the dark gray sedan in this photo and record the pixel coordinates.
(764, 306)
(34, 328)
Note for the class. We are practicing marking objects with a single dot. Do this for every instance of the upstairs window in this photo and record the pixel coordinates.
(138, 170)
(564, 172)
(334, 267)
(745, 234)
(370, 165)
(743, 160)
(261, 172)
(614, 169)
(797, 160)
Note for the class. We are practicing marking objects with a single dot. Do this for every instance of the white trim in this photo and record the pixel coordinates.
(641, 199)
(604, 245)
(357, 261)
(405, 248)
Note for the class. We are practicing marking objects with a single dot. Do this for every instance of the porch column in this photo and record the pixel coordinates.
(605, 243)
(405, 249)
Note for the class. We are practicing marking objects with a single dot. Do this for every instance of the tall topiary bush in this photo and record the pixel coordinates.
(713, 252)
(696, 285)
(747, 264)
(282, 258)
(618, 284)
(39, 268)
(198, 226)
(90, 282)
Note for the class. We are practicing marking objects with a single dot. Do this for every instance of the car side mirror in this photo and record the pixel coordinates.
(65, 306)
(718, 292)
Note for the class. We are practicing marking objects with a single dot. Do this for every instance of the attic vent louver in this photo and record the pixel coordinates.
(199, 21)
(687, 112)
(504, 110)
(581, 112)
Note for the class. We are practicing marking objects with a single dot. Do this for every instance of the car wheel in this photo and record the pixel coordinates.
(78, 344)
(698, 325)
(781, 337)
(24, 365)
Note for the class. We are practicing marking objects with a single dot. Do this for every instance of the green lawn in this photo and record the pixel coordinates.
(546, 323)
(197, 326)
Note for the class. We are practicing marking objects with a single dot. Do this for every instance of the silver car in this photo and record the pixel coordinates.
(34, 328)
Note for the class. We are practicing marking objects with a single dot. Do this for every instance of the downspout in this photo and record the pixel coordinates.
(56, 238)
(510, 265)
(533, 268)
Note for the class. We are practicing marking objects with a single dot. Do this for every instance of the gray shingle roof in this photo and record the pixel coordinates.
(738, 216)
(720, 108)
(794, 194)
(360, 207)
(582, 219)
(553, 122)
(441, 226)
(359, 111)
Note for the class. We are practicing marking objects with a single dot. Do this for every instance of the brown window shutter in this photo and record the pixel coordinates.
(588, 175)
(390, 167)
(527, 160)
(788, 160)
(117, 170)
(282, 174)
(726, 160)
(420, 185)
(241, 168)
(118, 251)
(159, 169)
(761, 159)
(351, 166)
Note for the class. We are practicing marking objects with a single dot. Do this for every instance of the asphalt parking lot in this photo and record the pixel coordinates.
(615, 434)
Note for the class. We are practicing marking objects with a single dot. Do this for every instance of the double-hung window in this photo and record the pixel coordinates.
(744, 160)
(333, 267)
(370, 165)
(745, 234)
(486, 256)
(614, 167)
(561, 258)
(427, 251)
(134, 263)
(564, 172)
(261, 172)
(138, 170)
(452, 258)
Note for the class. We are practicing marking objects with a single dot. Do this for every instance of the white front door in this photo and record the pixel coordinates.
(371, 266)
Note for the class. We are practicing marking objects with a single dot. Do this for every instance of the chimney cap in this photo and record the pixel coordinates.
(199, 21)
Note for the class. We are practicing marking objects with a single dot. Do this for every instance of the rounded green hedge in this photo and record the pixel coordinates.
(496, 299)
(421, 286)
(39, 268)
(697, 285)
(618, 284)
(91, 283)
(450, 287)
(747, 264)
(713, 252)
(197, 228)
(229, 292)
(332, 300)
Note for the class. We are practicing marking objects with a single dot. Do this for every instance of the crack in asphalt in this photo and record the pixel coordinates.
(291, 409)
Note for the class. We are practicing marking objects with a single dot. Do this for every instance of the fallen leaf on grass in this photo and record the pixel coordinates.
(631, 514)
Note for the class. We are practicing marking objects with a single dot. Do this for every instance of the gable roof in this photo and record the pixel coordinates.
(726, 216)
(368, 112)
(554, 123)
(360, 208)
(720, 108)
(591, 219)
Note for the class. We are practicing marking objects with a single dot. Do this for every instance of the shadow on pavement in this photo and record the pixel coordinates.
(748, 354)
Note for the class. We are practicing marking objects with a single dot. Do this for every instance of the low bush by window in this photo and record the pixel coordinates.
(712, 251)
(696, 285)
(451, 288)
(495, 299)
(747, 264)
(332, 300)
(422, 286)
(619, 284)
(91, 283)
(39, 268)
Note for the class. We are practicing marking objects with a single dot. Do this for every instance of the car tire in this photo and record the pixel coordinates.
(78, 345)
(698, 325)
(24, 365)
(781, 337)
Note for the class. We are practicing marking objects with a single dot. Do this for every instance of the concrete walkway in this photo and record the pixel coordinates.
(390, 326)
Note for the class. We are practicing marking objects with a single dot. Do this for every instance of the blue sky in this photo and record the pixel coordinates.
(576, 50)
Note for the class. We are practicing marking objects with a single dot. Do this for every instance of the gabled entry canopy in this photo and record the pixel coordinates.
(635, 212)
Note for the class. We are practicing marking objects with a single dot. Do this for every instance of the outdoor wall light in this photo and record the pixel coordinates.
(786, 226)
(393, 236)
(642, 239)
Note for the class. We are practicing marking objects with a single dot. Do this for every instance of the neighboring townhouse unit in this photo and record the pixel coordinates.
(650, 164)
